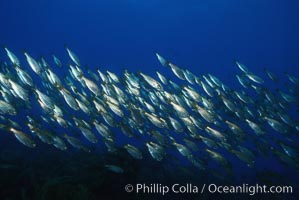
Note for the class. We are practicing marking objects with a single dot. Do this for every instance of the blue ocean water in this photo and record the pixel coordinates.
(202, 36)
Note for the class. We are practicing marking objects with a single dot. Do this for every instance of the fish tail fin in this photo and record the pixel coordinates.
(162, 60)
(3, 127)
(236, 61)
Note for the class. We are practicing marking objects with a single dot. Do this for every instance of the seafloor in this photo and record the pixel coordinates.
(47, 174)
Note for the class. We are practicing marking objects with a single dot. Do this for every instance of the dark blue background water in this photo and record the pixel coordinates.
(203, 36)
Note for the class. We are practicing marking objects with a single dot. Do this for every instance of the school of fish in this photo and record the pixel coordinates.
(200, 118)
